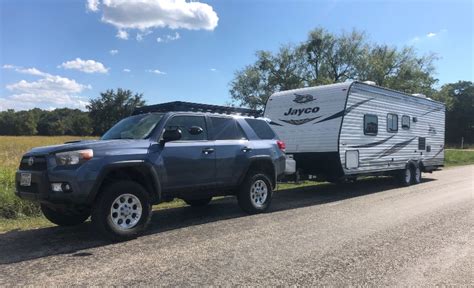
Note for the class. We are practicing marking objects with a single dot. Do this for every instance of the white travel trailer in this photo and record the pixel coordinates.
(343, 130)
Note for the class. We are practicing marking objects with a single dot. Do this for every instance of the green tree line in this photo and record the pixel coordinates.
(323, 58)
(103, 112)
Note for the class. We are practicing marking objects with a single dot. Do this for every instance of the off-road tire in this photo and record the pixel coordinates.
(247, 200)
(66, 218)
(102, 211)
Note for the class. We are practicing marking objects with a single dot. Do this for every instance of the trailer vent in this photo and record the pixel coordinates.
(419, 95)
(369, 83)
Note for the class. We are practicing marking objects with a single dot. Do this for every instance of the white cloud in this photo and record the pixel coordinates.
(87, 66)
(30, 71)
(156, 71)
(168, 38)
(151, 14)
(142, 34)
(93, 5)
(113, 52)
(213, 70)
(126, 70)
(122, 34)
(50, 91)
(428, 36)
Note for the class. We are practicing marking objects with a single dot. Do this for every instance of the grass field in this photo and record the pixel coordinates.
(16, 213)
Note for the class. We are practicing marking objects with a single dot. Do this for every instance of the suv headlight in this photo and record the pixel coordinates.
(74, 157)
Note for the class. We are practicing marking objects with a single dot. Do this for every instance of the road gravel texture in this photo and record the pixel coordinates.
(368, 233)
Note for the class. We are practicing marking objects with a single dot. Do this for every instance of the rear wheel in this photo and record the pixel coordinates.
(198, 202)
(255, 194)
(122, 211)
(64, 218)
(405, 176)
(417, 175)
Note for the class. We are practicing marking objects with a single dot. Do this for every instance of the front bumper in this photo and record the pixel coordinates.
(40, 189)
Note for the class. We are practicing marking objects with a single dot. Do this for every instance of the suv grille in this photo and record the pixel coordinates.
(39, 163)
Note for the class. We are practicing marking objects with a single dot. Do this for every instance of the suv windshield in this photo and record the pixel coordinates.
(133, 127)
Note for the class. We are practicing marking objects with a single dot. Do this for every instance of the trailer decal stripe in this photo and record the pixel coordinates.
(344, 112)
(299, 121)
(373, 144)
(433, 110)
(395, 148)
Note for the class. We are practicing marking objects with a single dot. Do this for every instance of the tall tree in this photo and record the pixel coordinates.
(111, 107)
(329, 58)
(459, 100)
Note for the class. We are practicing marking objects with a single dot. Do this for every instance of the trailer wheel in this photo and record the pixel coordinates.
(405, 176)
(417, 175)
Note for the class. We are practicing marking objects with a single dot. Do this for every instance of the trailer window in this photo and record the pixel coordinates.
(371, 124)
(392, 122)
(405, 122)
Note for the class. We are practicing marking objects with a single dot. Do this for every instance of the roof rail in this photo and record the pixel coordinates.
(196, 107)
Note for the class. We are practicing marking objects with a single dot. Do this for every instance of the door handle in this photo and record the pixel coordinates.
(246, 149)
(207, 151)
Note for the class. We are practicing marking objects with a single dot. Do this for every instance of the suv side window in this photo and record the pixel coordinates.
(261, 128)
(184, 123)
(226, 128)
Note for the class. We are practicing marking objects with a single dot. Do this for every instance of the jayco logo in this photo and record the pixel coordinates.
(300, 111)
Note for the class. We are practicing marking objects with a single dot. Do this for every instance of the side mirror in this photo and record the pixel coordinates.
(195, 130)
(171, 135)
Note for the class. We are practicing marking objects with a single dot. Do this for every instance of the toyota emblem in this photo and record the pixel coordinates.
(31, 161)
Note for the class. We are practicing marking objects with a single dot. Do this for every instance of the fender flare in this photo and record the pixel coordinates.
(260, 158)
(156, 193)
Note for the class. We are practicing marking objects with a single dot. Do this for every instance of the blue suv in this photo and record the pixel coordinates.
(166, 151)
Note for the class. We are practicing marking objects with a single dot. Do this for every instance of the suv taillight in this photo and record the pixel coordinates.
(281, 145)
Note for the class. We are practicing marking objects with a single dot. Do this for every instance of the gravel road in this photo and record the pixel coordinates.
(368, 233)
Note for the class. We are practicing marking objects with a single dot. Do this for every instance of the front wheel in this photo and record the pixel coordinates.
(255, 194)
(64, 218)
(122, 211)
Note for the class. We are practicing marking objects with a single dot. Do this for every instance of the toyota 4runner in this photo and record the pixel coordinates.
(165, 151)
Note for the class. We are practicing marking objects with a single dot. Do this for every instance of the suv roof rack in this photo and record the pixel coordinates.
(196, 107)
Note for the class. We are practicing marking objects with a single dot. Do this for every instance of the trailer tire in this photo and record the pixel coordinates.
(417, 175)
(405, 176)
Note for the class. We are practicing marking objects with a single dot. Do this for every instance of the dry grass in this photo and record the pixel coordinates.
(11, 150)
(18, 214)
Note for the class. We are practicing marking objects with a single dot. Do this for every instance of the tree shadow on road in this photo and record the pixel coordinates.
(17, 246)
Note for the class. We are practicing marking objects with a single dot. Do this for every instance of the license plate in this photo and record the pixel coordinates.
(25, 179)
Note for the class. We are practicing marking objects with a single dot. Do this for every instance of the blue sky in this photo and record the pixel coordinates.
(61, 53)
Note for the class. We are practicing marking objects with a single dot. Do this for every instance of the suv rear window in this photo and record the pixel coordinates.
(227, 129)
(261, 128)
